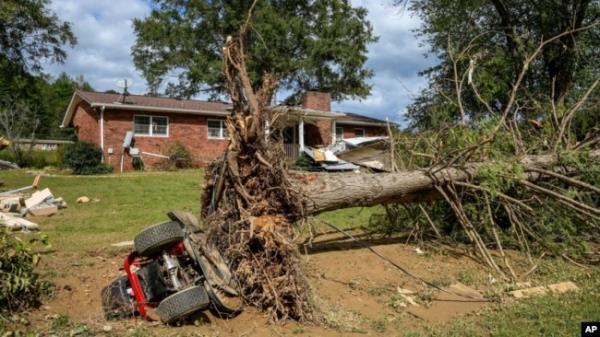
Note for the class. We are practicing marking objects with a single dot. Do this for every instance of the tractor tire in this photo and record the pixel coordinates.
(182, 303)
(158, 237)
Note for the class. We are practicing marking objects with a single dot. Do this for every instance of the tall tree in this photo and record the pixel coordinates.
(30, 32)
(57, 97)
(493, 37)
(308, 45)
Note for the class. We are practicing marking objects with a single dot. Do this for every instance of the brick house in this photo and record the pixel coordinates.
(157, 122)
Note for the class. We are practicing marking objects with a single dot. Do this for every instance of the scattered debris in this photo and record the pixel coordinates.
(123, 244)
(43, 203)
(83, 200)
(11, 203)
(38, 198)
(43, 210)
(6, 165)
(407, 296)
(327, 160)
(369, 152)
(14, 206)
(16, 223)
(558, 288)
(465, 291)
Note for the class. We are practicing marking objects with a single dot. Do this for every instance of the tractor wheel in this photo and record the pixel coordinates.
(158, 237)
(182, 303)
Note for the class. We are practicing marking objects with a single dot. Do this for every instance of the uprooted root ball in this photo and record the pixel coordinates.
(266, 264)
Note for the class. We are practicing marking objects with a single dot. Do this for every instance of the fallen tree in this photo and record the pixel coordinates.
(326, 191)
(251, 201)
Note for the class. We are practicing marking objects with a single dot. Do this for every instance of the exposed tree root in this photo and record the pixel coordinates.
(249, 202)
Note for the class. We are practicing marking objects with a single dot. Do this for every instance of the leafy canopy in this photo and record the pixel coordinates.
(30, 33)
(309, 45)
(496, 36)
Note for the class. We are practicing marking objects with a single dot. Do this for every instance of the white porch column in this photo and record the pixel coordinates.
(102, 131)
(301, 134)
(333, 135)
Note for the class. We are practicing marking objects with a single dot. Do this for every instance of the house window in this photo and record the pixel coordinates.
(359, 132)
(339, 133)
(157, 126)
(217, 129)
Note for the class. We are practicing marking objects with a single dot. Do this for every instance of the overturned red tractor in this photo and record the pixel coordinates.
(172, 273)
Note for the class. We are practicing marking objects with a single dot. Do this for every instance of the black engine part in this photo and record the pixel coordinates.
(152, 282)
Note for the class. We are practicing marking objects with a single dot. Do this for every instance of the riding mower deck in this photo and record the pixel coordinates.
(172, 273)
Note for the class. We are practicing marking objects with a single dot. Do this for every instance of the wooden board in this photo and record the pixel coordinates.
(16, 223)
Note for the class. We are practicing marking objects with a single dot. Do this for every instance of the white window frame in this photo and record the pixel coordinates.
(151, 133)
(364, 132)
(222, 129)
(339, 135)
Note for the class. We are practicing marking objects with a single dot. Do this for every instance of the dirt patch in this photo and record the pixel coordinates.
(354, 289)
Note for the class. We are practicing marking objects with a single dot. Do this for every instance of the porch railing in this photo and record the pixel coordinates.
(292, 151)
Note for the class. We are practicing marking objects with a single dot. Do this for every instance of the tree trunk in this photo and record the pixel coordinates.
(326, 191)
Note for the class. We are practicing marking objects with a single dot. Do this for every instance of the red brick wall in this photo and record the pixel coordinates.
(370, 131)
(317, 101)
(190, 130)
(85, 121)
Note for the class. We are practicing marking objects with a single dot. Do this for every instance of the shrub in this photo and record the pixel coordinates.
(179, 156)
(20, 285)
(85, 158)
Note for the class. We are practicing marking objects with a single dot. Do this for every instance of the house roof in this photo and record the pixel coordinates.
(144, 103)
(197, 107)
(159, 102)
(356, 119)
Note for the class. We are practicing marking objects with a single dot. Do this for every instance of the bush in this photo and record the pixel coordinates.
(179, 156)
(20, 285)
(85, 158)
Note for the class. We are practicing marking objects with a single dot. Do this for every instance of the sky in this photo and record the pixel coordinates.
(105, 36)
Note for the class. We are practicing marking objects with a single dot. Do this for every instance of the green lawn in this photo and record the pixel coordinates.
(133, 201)
(127, 203)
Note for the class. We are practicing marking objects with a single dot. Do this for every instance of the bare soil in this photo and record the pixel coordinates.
(356, 293)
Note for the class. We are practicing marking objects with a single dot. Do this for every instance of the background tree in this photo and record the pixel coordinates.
(57, 97)
(18, 121)
(490, 39)
(30, 33)
(308, 45)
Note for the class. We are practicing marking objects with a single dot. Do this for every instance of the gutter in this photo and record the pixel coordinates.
(159, 109)
(357, 123)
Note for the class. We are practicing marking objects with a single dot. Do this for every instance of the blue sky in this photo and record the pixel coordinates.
(105, 34)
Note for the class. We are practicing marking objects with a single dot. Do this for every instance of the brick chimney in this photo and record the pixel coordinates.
(316, 101)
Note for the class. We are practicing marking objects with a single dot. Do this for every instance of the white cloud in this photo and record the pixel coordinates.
(105, 36)
(396, 59)
(105, 33)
